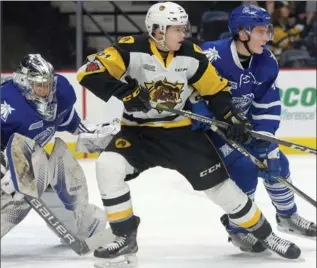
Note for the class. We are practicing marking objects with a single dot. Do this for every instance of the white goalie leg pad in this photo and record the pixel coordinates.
(13, 210)
(69, 180)
(68, 198)
(92, 221)
(228, 196)
(66, 216)
(111, 170)
(28, 164)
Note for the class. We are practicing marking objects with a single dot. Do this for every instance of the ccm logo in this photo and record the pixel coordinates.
(52, 221)
(210, 170)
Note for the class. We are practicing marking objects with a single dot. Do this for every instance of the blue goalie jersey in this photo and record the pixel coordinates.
(19, 116)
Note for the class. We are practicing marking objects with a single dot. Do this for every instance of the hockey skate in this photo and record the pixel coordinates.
(281, 246)
(296, 225)
(121, 252)
(243, 240)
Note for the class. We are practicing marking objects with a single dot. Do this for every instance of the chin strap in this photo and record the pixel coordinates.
(161, 42)
(245, 43)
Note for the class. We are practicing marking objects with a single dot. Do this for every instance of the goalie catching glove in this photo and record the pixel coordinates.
(95, 138)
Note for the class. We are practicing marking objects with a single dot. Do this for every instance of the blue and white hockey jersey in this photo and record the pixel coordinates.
(253, 89)
(18, 116)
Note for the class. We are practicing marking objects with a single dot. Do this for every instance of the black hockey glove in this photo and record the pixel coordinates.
(135, 97)
(221, 105)
(239, 131)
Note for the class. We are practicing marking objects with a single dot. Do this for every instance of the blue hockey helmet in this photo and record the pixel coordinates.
(247, 17)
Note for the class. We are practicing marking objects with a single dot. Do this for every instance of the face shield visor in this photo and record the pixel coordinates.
(260, 33)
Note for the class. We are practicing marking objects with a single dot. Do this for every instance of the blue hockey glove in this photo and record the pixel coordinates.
(199, 106)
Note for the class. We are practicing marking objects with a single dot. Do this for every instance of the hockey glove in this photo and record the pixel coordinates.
(104, 129)
(270, 154)
(135, 97)
(197, 105)
(239, 131)
(97, 137)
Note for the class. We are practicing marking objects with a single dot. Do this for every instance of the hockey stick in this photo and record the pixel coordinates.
(261, 165)
(81, 247)
(242, 150)
(162, 107)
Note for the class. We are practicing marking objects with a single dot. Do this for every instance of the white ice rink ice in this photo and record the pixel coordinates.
(180, 228)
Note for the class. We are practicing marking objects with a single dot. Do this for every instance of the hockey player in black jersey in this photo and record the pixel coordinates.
(164, 67)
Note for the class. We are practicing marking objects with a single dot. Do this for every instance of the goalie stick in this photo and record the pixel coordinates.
(81, 247)
(162, 107)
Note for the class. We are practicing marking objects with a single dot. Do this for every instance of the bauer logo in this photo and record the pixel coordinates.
(210, 170)
(52, 221)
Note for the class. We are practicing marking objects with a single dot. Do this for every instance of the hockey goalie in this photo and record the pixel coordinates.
(35, 104)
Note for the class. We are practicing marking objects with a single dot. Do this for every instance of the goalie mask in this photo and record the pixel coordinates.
(36, 80)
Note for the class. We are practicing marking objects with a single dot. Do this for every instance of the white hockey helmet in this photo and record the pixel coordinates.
(162, 15)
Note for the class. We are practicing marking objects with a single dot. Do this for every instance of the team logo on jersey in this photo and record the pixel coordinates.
(161, 8)
(165, 92)
(6, 110)
(212, 54)
(92, 66)
(249, 78)
(243, 103)
(122, 143)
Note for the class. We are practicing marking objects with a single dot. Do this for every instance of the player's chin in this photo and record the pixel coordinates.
(259, 50)
(177, 46)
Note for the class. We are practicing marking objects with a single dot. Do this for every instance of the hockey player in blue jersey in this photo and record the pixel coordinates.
(252, 70)
(36, 103)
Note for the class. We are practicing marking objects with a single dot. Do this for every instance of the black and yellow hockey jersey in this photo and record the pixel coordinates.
(170, 81)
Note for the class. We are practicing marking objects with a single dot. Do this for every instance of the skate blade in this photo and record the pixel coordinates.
(262, 254)
(287, 231)
(128, 261)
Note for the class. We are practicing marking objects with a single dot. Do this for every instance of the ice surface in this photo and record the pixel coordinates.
(180, 228)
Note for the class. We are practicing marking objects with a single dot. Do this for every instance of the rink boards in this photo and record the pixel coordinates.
(298, 119)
